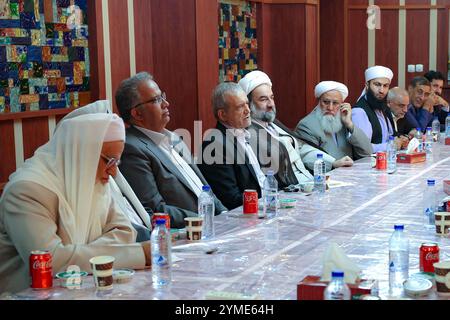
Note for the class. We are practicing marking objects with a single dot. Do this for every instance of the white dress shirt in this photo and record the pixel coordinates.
(165, 142)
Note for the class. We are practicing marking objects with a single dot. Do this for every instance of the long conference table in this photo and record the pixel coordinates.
(267, 258)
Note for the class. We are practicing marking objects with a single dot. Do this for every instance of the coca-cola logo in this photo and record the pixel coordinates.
(430, 256)
(251, 197)
(42, 264)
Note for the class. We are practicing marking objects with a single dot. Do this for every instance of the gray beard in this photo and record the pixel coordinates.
(329, 123)
(265, 116)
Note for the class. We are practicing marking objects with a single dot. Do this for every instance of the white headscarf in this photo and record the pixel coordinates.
(119, 185)
(67, 166)
(376, 72)
(326, 86)
(254, 79)
(101, 106)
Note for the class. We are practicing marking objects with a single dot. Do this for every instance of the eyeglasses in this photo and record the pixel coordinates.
(156, 100)
(110, 162)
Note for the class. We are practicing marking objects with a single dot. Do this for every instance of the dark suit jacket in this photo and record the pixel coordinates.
(272, 155)
(157, 182)
(227, 176)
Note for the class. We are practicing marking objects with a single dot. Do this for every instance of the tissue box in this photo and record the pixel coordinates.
(447, 186)
(411, 158)
(311, 288)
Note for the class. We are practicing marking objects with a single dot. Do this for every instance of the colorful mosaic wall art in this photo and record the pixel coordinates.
(44, 56)
(237, 40)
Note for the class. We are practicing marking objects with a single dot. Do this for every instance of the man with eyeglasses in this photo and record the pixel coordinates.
(398, 101)
(370, 112)
(440, 107)
(156, 162)
(330, 124)
(419, 114)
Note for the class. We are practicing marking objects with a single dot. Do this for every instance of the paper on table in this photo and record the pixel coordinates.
(336, 259)
(337, 184)
(176, 259)
(412, 146)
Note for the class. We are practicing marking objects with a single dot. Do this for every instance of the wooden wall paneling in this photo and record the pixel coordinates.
(119, 43)
(442, 41)
(207, 59)
(357, 53)
(312, 63)
(174, 58)
(96, 53)
(143, 35)
(7, 150)
(417, 40)
(264, 37)
(386, 43)
(35, 133)
(288, 42)
(332, 43)
(358, 2)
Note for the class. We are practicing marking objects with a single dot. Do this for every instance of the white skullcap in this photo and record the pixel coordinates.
(378, 72)
(254, 79)
(326, 86)
(116, 130)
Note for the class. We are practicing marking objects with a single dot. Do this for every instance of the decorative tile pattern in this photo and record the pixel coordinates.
(44, 56)
(237, 40)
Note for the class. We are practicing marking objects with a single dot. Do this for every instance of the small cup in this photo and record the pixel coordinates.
(194, 228)
(442, 277)
(102, 268)
(442, 222)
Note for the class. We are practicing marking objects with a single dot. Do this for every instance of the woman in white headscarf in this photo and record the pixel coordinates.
(60, 201)
(121, 190)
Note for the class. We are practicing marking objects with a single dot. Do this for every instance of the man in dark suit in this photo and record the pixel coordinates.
(156, 162)
(397, 102)
(227, 160)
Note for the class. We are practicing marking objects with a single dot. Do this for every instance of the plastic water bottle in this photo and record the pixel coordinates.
(419, 137)
(447, 126)
(206, 210)
(391, 156)
(161, 243)
(429, 204)
(270, 196)
(337, 289)
(319, 174)
(429, 143)
(436, 129)
(398, 260)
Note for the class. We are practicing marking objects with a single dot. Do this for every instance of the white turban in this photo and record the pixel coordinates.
(378, 72)
(116, 130)
(326, 86)
(254, 79)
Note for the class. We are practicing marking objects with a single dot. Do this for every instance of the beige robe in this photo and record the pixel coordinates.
(29, 220)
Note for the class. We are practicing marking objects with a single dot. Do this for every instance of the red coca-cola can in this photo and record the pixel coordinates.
(163, 216)
(381, 161)
(250, 202)
(41, 269)
(429, 254)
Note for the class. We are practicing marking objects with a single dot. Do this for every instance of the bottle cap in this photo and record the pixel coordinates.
(428, 128)
(206, 188)
(160, 221)
(270, 172)
(419, 129)
(431, 182)
(337, 274)
(391, 138)
(320, 156)
(399, 227)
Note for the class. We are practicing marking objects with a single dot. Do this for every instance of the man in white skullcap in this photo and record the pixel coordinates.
(370, 111)
(60, 200)
(330, 124)
(274, 139)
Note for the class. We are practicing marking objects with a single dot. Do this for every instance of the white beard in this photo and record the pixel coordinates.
(329, 123)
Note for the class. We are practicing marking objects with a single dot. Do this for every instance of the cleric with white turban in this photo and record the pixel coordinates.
(254, 79)
(370, 111)
(326, 86)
